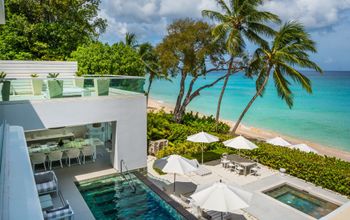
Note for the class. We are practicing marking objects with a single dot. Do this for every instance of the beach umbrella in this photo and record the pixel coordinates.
(278, 141)
(204, 138)
(177, 165)
(240, 142)
(303, 147)
(221, 197)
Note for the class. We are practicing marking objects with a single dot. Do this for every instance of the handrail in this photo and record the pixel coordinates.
(130, 181)
(3, 134)
(76, 77)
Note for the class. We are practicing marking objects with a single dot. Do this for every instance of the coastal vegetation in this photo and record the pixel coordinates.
(239, 21)
(103, 59)
(48, 30)
(324, 171)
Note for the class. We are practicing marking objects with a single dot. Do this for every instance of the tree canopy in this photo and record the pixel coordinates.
(187, 50)
(103, 59)
(48, 30)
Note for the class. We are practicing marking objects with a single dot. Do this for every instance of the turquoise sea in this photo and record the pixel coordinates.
(322, 117)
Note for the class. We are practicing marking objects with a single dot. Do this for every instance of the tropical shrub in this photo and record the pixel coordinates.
(104, 59)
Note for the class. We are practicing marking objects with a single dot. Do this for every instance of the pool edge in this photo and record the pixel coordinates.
(186, 214)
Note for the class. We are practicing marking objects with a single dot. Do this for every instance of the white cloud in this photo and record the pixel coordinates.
(314, 14)
(149, 18)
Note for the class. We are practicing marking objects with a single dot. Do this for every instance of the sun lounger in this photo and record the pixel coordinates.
(202, 171)
(64, 212)
(46, 182)
(214, 215)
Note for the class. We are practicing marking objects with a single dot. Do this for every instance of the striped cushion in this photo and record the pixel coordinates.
(46, 187)
(58, 213)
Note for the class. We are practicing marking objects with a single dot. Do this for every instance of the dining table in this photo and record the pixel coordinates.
(243, 162)
(77, 143)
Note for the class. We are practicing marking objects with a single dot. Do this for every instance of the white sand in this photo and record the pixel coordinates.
(261, 134)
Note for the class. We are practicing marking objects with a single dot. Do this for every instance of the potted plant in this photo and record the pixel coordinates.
(6, 87)
(102, 86)
(55, 86)
(37, 84)
(79, 80)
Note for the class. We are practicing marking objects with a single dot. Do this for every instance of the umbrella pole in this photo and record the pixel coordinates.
(174, 181)
(222, 217)
(202, 154)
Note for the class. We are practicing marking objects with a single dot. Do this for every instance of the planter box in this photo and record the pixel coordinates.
(55, 88)
(5, 90)
(102, 87)
(37, 85)
(79, 82)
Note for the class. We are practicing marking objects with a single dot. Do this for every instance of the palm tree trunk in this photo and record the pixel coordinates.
(251, 102)
(149, 89)
(218, 109)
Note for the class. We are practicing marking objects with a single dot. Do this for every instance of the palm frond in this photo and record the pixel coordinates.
(297, 77)
(214, 15)
(224, 6)
(282, 86)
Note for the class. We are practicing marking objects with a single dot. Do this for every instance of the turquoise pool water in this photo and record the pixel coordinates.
(112, 198)
(303, 201)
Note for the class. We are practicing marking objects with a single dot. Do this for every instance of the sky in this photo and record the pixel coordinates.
(328, 22)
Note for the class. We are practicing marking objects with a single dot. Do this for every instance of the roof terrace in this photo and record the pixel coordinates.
(41, 80)
(39, 88)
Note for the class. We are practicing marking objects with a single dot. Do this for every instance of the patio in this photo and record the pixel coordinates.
(262, 206)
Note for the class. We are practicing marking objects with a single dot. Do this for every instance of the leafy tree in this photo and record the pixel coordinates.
(102, 59)
(48, 30)
(186, 51)
(240, 20)
(289, 49)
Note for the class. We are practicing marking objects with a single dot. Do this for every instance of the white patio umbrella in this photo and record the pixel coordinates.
(303, 147)
(278, 141)
(240, 142)
(221, 197)
(202, 137)
(177, 165)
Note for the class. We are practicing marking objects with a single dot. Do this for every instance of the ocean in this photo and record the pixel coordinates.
(322, 117)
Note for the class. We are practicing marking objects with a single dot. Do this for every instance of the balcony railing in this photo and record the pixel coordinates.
(14, 89)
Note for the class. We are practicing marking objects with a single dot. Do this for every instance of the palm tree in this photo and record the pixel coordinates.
(240, 20)
(130, 40)
(150, 60)
(290, 48)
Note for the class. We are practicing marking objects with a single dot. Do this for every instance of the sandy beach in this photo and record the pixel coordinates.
(262, 134)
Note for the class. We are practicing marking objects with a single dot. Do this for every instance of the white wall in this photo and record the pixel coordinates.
(128, 110)
(19, 199)
(23, 69)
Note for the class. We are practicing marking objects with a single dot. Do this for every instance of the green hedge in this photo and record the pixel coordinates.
(327, 172)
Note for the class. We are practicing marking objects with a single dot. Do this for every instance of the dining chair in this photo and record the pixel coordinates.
(239, 169)
(38, 158)
(73, 153)
(254, 170)
(88, 151)
(55, 156)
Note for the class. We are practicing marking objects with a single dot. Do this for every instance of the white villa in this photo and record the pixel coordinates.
(69, 147)
(34, 123)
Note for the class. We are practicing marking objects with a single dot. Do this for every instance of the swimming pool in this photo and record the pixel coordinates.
(111, 197)
(302, 200)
